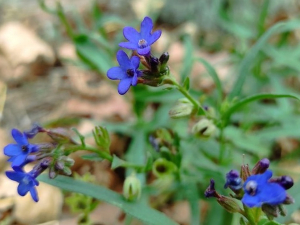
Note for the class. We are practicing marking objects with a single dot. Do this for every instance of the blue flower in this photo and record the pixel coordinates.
(27, 182)
(258, 191)
(127, 72)
(141, 42)
(19, 152)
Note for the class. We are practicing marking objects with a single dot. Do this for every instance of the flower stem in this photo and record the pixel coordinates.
(102, 154)
(183, 91)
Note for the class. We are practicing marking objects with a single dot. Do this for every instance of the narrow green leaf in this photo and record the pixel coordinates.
(188, 58)
(138, 210)
(237, 105)
(249, 58)
(212, 72)
(92, 54)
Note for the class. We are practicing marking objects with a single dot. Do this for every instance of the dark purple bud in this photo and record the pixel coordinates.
(233, 181)
(154, 64)
(164, 58)
(34, 131)
(261, 166)
(284, 181)
(45, 163)
(210, 191)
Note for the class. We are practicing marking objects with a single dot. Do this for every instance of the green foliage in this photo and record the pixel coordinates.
(248, 115)
(138, 210)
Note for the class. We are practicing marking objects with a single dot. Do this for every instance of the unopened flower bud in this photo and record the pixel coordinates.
(183, 108)
(45, 147)
(230, 204)
(211, 191)
(288, 200)
(163, 59)
(52, 173)
(162, 167)
(132, 188)
(63, 164)
(154, 65)
(233, 181)
(261, 166)
(204, 128)
(270, 210)
(35, 129)
(60, 135)
(284, 181)
(245, 172)
(282, 210)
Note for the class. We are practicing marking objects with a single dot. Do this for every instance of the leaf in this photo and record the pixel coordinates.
(138, 210)
(92, 157)
(212, 72)
(272, 223)
(250, 57)
(242, 102)
(186, 83)
(92, 54)
(187, 60)
(117, 162)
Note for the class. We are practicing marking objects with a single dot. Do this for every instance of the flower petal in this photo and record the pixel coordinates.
(116, 73)
(135, 62)
(19, 137)
(33, 148)
(124, 86)
(123, 60)
(131, 34)
(12, 150)
(129, 45)
(251, 201)
(15, 176)
(146, 27)
(34, 194)
(273, 194)
(24, 188)
(144, 51)
(19, 160)
(154, 37)
(134, 80)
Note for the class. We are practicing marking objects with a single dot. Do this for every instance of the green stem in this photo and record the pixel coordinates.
(102, 154)
(222, 146)
(188, 96)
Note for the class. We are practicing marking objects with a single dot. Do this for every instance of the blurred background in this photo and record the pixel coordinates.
(53, 63)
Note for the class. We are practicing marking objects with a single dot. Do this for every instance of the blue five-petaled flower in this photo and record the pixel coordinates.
(258, 191)
(19, 151)
(27, 182)
(140, 41)
(127, 72)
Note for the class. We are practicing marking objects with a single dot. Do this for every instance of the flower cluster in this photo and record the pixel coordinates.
(255, 189)
(128, 70)
(43, 154)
